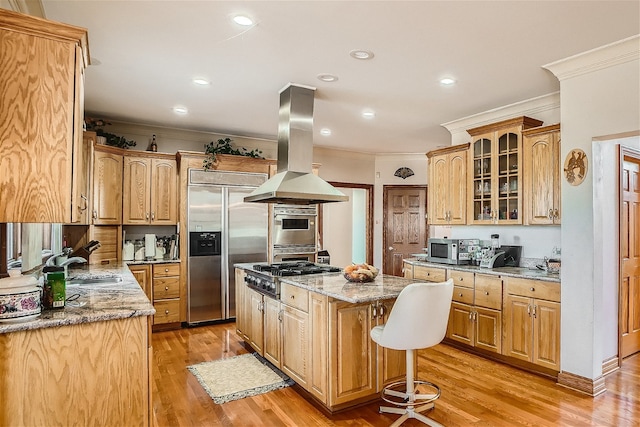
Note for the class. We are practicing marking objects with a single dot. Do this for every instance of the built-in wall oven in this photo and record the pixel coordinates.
(294, 233)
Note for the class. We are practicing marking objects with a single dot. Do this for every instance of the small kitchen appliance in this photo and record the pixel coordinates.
(149, 246)
(451, 251)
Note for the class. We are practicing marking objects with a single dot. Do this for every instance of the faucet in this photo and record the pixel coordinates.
(73, 260)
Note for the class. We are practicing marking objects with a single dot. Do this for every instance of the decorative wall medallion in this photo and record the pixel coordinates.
(404, 172)
(575, 167)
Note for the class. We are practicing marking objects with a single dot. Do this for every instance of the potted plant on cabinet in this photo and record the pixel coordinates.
(223, 146)
(103, 137)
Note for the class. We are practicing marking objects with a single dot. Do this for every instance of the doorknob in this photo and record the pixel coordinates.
(390, 248)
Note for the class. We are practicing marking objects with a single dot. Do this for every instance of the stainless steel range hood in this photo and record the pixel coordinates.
(295, 183)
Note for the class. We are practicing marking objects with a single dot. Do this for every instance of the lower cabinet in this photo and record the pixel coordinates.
(272, 331)
(532, 322)
(142, 273)
(254, 326)
(161, 283)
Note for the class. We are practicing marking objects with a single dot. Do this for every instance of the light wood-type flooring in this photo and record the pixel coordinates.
(475, 392)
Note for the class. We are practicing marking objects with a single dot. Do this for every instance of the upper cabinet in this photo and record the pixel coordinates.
(541, 152)
(448, 185)
(81, 179)
(41, 70)
(150, 189)
(494, 172)
(107, 186)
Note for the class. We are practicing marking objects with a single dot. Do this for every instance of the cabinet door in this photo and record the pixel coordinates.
(241, 303)
(164, 193)
(392, 364)
(460, 327)
(407, 271)
(488, 329)
(295, 341)
(272, 331)
(518, 327)
(107, 188)
(541, 164)
(142, 273)
(353, 359)
(480, 178)
(439, 190)
(318, 346)
(546, 334)
(255, 321)
(81, 181)
(457, 192)
(507, 183)
(136, 190)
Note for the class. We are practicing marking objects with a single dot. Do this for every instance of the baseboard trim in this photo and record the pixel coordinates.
(592, 387)
(610, 365)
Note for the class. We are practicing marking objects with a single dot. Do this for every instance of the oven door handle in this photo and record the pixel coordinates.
(295, 214)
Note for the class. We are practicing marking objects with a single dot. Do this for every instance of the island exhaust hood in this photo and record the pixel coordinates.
(295, 182)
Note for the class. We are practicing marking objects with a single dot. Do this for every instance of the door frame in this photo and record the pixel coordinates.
(623, 152)
(368, 220)
(385, 201)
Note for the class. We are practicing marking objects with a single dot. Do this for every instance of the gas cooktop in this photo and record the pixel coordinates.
(295, 268)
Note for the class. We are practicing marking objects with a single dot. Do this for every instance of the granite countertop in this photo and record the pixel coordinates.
(521, 272)
(336, 286)
(152, 261)
(96, 302)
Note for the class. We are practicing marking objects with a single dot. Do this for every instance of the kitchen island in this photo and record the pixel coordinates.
(317, 332)
(86, 364)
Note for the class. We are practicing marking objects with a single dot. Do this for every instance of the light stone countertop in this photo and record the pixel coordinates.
(336, 286)
(96, 303)
(521, 272)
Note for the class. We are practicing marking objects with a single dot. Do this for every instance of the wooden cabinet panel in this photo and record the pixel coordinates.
(81, 182)
(241, 303)
(255, 320)
(272, 331)
(533, 288)
(319, 346)
(407, 270)
(166, 287)
(294, 296)
(163, 270)
(488, 325)
(107, 188)
(41, 116)
(462, 278)
(110, 237)
(518, 328)
(166, 293)
(488, 291)
(448, 185)
(136, 190)
(392, 364)
(142, 273)
(546, 334)
(541, 147)
(295, 336)
(463, 295)
(460, 326)
(167, 311)
(164, 192)
(430, 274)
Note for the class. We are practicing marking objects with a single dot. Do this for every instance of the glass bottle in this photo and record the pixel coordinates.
(154, 144)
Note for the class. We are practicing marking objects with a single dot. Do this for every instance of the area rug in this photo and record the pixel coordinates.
(238, 377)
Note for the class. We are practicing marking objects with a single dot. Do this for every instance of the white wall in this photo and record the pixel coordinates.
(600, 95)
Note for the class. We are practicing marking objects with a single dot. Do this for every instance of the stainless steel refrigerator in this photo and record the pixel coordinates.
(218, 216)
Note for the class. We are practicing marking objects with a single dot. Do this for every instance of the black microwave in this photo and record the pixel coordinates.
(451, 251)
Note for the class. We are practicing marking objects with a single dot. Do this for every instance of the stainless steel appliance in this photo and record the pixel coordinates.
(451, 251)
(294, 233)
(218, 218)
(265, 277)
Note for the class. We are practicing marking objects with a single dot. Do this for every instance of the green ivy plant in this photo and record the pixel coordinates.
(223, 146)
(115, 140)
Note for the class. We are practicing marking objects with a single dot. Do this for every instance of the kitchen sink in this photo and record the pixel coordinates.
(102, 280)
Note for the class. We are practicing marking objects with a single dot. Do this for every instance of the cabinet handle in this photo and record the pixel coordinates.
(486, 292)
(146, 216)
(529, 310)
(532, 289)
(374, 312)
(166, 270)
(461, 279)
(166, 312)
(153, 216)
(293, 297)
(550, 215)
(535, 311)
(280, 316)
(428, 274)
(470, 316)
(86, 203)
(383, 309)
(95, 214)
(475, 316)
(460, 293)
(166, 288)
(556, 214)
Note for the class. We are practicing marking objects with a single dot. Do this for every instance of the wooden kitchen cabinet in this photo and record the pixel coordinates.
(318, 378)
(392, 364)
(532, 322)
(254, 319)
(475, 318)
(542, 172)
(166, 293)
(448, 185)
(107, 186)
(407, 270)
(142, 273)
(81, 181)
(150, 189)
(495, 172)
(429, 274)
(41, 70)
(241, 303)
(273, 319)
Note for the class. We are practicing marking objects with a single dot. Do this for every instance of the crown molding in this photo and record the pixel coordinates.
(596, 59)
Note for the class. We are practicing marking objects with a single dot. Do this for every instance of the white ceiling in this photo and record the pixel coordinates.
(145, 54)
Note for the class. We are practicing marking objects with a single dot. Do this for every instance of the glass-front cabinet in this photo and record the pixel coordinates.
(495, 178)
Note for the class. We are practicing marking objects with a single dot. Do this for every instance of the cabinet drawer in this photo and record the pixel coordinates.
(462, 294)
(166, 287)
(294, 296)
(160, 270)
(431, 274)
(533, 288)
(488, 291)
(461, 278)
(167, 311)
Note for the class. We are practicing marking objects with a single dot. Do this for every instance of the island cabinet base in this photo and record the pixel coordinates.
(88, 374)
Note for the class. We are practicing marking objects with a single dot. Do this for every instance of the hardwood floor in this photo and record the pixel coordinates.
(475, 392)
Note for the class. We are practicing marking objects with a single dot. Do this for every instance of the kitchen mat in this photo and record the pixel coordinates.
(239, 377)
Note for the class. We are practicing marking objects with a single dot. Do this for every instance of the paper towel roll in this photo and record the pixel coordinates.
(149, 246)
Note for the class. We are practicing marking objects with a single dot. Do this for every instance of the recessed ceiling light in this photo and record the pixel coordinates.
(180, 110)
(447, 81)
(327, 77)
(243, 20)
(325, 132)
(361, 54)
(368, 114)
(201, 82)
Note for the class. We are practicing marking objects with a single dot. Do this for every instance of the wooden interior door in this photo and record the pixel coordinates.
(405, 225)
(629, 296)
